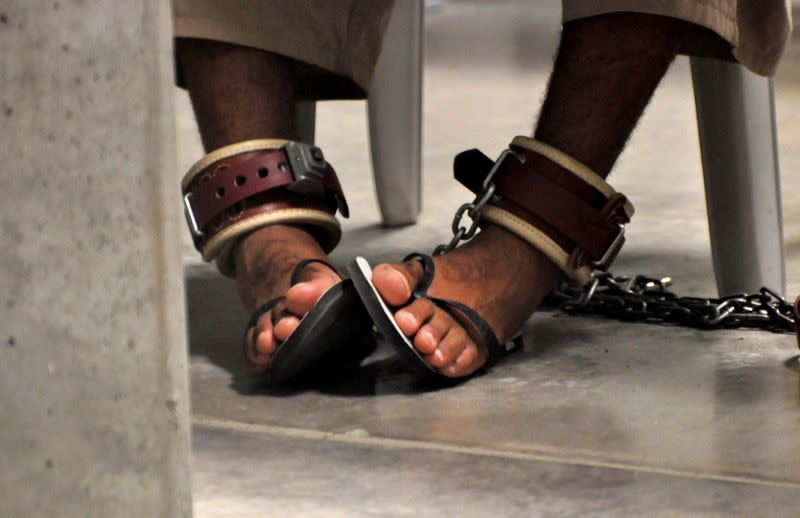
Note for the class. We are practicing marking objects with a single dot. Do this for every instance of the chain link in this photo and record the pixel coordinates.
(638, 298)
(647, 299)
(474, 210)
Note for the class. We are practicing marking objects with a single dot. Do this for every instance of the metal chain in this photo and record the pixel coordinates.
(637, 298)
(474, 210)
(647, 299)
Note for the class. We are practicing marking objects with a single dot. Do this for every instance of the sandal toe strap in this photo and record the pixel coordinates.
(477, 328)
(267, 306)
(298, 270)
(468, 318)
(428, 271)
(258, 313)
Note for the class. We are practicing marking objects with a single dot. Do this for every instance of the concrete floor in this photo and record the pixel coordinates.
(593, 417)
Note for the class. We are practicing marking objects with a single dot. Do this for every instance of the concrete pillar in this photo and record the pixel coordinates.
(93, 375)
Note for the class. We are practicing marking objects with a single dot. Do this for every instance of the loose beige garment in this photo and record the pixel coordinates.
(336, 43)
(757, 30)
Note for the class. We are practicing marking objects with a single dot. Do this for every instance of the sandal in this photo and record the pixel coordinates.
(477, 328)
(335, 335)
(543, 196)
(237, 189)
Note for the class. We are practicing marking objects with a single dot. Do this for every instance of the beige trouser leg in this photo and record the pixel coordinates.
(335, 43)
(757, 30)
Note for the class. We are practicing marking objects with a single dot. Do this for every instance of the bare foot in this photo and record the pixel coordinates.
(264, 264)
(500, 276)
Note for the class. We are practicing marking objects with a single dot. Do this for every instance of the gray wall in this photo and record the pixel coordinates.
(93, 383)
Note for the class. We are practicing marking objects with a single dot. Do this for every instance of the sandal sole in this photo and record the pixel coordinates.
(361, 275)
(337, 321)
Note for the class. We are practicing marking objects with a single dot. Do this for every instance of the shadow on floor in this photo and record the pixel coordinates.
(216, 322)
(376, 377)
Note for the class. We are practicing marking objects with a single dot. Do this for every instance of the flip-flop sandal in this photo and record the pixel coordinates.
(336, 334)
(383, 317)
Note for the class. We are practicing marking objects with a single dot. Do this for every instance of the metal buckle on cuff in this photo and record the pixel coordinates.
(308, 168)
(190, 218)
(604, 262)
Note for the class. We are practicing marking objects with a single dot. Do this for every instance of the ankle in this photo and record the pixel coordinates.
(520, 250)
(260, 249)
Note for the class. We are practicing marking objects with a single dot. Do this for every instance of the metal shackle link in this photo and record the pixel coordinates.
(641, 298)
(474, 210)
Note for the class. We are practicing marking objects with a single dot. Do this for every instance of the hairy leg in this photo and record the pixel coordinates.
(605, 73)
(239, 93)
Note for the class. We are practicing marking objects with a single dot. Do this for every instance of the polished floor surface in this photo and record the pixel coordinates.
(594, 417)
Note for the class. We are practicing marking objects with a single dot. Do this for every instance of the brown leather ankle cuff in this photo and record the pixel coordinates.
(246, 186)
(568, 212)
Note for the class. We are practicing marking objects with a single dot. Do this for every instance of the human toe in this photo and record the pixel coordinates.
(467, 363)
(427, 339)
(302, 297)
(449, 348)
(285, 326)
(394, 282)
(412, 317)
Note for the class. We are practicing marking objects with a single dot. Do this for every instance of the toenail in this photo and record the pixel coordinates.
(427, 337)
(438, 354)
(408, 317)
(402, 279)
